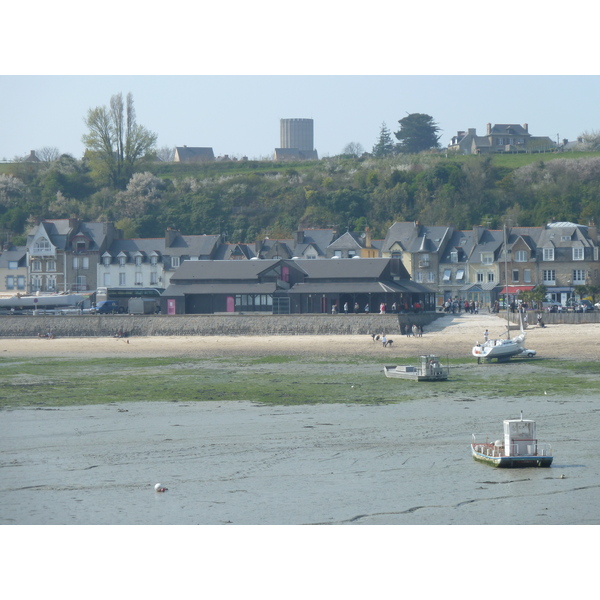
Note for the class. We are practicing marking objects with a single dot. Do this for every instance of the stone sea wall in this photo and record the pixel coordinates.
(237, 324)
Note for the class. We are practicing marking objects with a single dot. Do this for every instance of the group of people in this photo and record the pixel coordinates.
(383, 308)
(384, 339)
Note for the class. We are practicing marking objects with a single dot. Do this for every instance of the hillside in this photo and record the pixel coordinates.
(250, 199)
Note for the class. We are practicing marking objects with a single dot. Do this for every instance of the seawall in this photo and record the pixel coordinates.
(236, 324)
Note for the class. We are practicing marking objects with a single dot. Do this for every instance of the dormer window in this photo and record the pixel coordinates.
(154, 260)
(138, 261)
(41, 246)
(548, 253)
(175, 262)
(577, 253)
(487, 258)
(106, 261)
(454, 256)
(122, 260)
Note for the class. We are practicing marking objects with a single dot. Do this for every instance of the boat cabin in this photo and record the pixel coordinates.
(519, 437)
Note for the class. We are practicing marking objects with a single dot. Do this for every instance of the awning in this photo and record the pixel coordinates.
(515, 289)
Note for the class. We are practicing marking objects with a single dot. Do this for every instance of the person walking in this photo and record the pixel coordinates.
(486, 335)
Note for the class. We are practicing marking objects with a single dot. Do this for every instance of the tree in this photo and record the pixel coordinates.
(417, 132)
(353, 149)
(143, 190)
(385, 144)
(48, 154)
(117, 143)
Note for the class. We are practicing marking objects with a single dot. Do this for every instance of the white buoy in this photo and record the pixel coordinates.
(157, 487)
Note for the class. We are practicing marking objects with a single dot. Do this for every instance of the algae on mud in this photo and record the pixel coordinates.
(52, 382)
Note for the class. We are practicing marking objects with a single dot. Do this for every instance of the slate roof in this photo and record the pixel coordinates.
(194, 154)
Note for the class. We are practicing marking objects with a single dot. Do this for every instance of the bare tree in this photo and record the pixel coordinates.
(166, 154)
(116, 141)
(354, 149)
(48, 154)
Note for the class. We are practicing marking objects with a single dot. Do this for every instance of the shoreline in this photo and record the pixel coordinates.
(451, 337)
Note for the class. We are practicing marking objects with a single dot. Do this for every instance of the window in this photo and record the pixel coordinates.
(81, 247)
(36, 283)
(351, 253)
(138, 261)
(520, 256)
(424, 260)
(460, 274)
(138, 278)
(490, 277)
(21, 282)
(419, 277)
(565, 238)
(122, 280)
(81, 282)
(36, 265)
(487, 258)
(85, 262)
(50, 265)
(41, 246)
(515, 275)
(431, 277)
(548, 253)
(447, 273)
(595, 252)
(10, 282)
(527, 276)
(549, 276)
(154, 260)
(480, 278)
(51, 283)
(577, 253)
(13, 264)
(153, 278)
(454, 256)
(106, 279)
(175, 261)
(578, 276)
(106, 261)
(122, 261)
(76, 262)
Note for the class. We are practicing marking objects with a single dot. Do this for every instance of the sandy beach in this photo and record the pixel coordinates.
(452, 336)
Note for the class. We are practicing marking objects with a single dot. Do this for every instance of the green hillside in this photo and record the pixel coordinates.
(251, 199)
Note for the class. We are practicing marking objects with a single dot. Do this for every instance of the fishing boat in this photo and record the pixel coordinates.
(430, 370)
(519, 448)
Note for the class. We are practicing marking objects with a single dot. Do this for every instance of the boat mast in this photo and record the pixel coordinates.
(506, 283)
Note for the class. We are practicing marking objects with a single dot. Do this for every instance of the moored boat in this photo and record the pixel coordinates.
(430, 370)
(518, 448)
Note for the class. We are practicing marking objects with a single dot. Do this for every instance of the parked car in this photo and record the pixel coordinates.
(527, 353)
(579, 305)
(106, 307)
(552, 307)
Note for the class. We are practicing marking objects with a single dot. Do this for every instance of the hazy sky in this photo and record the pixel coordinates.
(239, 115)
(225, 75)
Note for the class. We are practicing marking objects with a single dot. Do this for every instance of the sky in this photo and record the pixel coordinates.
(225, 76)
(239, 115)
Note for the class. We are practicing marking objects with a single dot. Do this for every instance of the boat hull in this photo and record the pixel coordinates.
(511, 462)
(416, 375)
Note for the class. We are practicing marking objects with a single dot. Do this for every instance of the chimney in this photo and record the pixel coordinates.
(170, 236)
(367, 237)
(593, 232)
(299, 237)
(526, 127)
(472, 131)
(489, 128)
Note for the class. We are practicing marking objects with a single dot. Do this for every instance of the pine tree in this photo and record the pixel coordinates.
(385, 145)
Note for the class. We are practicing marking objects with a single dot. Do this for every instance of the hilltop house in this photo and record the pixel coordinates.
(509, 138)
